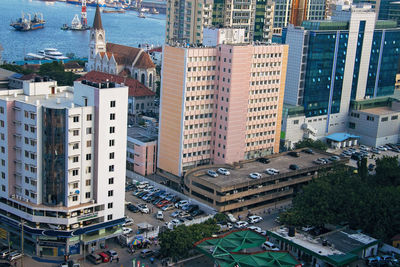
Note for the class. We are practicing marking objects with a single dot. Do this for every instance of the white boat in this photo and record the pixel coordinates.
(141, 15)
(33, 56)
(51, 53)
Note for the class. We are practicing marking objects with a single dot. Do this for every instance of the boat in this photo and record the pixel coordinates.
(28, 24)
(74, 2)
(141, 15)
(101, 3)
(154, 11)
(51, 53)
(114, 11)
(76, 25)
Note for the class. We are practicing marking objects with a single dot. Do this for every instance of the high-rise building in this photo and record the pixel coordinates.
(332, 63)
(264, 20)
(220, 104)
(186, 19)
(62, 170)
(296, 11)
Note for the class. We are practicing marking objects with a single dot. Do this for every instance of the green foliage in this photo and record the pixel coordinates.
(362, 168)
(307, 142)
(220, 217)
(158, 88)
(55, 70)
(16, 68)
(342, 196)
(179, 242)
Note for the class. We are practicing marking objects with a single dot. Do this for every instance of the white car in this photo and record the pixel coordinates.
(128, 221)
(255, 219)
(241, 224)
(127, 231)
(272, 171)
(255, 175)
(223, 171)
(269, 246)
(181, 203)
(362, 147)
(143, 208)
(212, 173)
(255, 228)
(160, 215)
(382, 148)
(176, 222)
(231, 218)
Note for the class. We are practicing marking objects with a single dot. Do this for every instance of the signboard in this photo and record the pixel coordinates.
(87, 216)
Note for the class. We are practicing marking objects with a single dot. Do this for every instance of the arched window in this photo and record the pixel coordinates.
(150, 80)
(142, 105)
(143, 78)
(137, 106)
(135, 75)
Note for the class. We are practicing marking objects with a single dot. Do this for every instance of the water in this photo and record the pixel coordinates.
(126, 29)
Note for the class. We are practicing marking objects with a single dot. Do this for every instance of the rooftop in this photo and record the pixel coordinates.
(338, 247)
(142, 134)
(381, 110)
(280, 162)
(340, 137)
(136, 89)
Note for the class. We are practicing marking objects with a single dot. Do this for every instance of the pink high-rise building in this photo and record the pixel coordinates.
(220, 104)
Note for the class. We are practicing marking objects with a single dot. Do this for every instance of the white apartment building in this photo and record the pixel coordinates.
(62, 178)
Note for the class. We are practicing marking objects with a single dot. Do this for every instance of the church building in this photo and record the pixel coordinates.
(118, 59)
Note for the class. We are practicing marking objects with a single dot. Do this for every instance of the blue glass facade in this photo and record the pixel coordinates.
(326, 59)
(54, 125)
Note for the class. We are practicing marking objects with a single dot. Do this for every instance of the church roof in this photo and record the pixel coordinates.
(126, 55)
(136, 89)
(97, 25)
(109, 55)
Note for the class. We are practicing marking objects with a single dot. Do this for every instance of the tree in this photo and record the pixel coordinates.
(388, 171)
(362, 168)
(16, 68)
(55, 70)
(307, 142)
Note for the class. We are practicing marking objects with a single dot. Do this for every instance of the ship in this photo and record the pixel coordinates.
(154, 11)
(89, 3)
(28, 24)
(141, 15)
(114, 11)
(76, 25)
(47, 53)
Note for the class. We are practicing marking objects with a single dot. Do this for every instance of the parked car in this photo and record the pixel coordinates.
(223, 171)
(255, 219)
(146, 253)
(231, 218)
(264, 160)
(362, 147)
(4, 253)
(162, 203)
(15, 256)
(176, 222)
(294, 154)
(255, 175)
(104, 257)
(272, 171)
(181, 203)
(192, 207)
(176, 214)
(143, 208)
(241, 224)
(308, 151)
(128, 221)
(126, 230)
(375, 151)
(94, 258)
(167, 207)
(197, 212)
(294, 167)
(212, 173)
(334, 158)
(160, 215)
(269, 246)
(112, 253)
(383, 148)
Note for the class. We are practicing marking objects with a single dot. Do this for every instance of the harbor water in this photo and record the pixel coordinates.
(126, 28)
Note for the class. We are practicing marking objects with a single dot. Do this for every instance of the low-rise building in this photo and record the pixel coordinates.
(73, 67)
(238, 192)
(142, 150)
(342, 247)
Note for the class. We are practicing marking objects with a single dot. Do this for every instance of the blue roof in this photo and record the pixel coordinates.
(340, 137)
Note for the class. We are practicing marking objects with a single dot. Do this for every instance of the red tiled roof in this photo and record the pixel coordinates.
(109, 55)
(136, 89)
(126, 55)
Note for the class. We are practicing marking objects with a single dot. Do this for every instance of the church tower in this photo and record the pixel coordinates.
(97, 41)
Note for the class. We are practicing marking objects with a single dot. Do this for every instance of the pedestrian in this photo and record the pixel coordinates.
(152, 260)
(117, 259)
(111, 259)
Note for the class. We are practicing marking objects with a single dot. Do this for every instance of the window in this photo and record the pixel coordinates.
(112, 104)
(385, 119)
(2, 110)
(75, 172)
(109, 217)
(110, 193)
(3, 188)
(352, 125)
(87, 194)
(75, 146)
(75, 159)
(88, 156)
(112, 155)
(111, 142)
(26, 114)
(76, 119)
(111, 180)
(88, 169)
(89, 117)
(110, 205)
(75, 198)
(112, 116)
(76, 132)
(88, 130)
(111, 168)
(395, 117)
(88, 182)
(89, 143)
(112, 129)
(75, 185)
(296, 122)
(370, 118)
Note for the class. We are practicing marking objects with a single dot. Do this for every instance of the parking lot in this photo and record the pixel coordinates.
(150, 218)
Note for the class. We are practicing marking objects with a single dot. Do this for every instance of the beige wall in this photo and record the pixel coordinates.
(170, 130)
